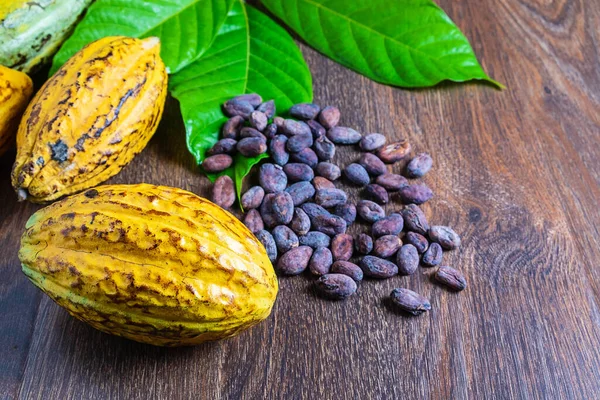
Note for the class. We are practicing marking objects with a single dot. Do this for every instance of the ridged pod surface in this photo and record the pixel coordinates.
(90, 119)
(154, 264)
(15, 92)
(32, 31)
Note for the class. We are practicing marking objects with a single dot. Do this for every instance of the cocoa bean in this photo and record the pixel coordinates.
(279, 122)
(370, 211)
(217, 163)
(391, 182)
(357, 174)
(231, 128)
(223, 146)
(324, 148)
(394, 152)
(305, 111)
(301, 192)
(410, 301)
(419, 166)
(445, 236)
(330, 197)
(372, 142)
(300, 223)
(347, 268)
(328, 170)
(292, 127)
(268, 107)
(372, 164)
(451, 278)
(433, 255)
(390, 225)
(277, 150)
(270, 131)
(315, 240)
(299, 142)
(322, 183)
(407, 259)
(258, 120)
(317, 129)
(247, 132)
(320, 262)
(223, 192)
(414, 219)
(306, 156)
(343, 135)
(235, 107)
(364, 243)
(416, 239)
(312, 210)
(329, 224)
(336, 286)
(253, 197)
(377, 193)
(418, 193)
(272, 178)
(386, 246)
(375, 267)
(342, 247)
(277, 209)
(253, 221)
(285, 238)
(297, 172)
(269, 243)
(347, 211)
(329, 117)
(253, 98)
(251, 146)
(294, 261)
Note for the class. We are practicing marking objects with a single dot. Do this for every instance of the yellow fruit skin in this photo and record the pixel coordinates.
(90, 119)
(154, 264)
(15, 92)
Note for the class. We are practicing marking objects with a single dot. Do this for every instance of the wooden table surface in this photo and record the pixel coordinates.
(517, 174)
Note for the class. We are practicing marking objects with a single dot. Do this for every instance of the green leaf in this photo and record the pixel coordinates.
(251, 54)
(186, 28)
(409, 43)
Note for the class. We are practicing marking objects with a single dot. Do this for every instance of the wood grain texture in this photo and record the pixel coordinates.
(517, 174)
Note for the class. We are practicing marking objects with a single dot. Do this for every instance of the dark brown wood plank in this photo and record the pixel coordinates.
(517, 173)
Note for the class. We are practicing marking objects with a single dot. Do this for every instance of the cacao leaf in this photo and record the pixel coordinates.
(186, 28)
(408, 43)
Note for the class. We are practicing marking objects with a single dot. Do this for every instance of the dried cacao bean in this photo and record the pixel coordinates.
(364, 243)
(223, 192)
(217, 163)
(269, 243)
(391, 182)
(251, 146)
(357, 174)
(433, 255)
(407, 259)
(330, 197)
(347, 211)
(394, 152)
(320, 262)
(328, 170)
(258, 120)
(414, 219)
(277, 150)
(272, 178)
(410, 301)
(390, 225)
(324, 148)
(231, 128)
(268, 107)
(253, 98)
(306, 156)
(300, 222)
(370, 211)
(348, 268)
(315, 240)
(247, 132)
(416, 239)
(336, 286)
(329, 117)
(223, 146)
(329, 224)
(305, 111)
(386, 246)
(239, 107)
(372, 142)
(418, 193)
(372, 164)
(294, 261)
(445, 236)
(377, 193)
(419, 166)
(277, 209)
(253, 197)
(292, 127)
(285, 238)
(253, 221)
(451, 278)
(322, 183)
(375, 267)
(297, 172)
(301, 192)
(299, 142)
(318, 131)
(342, 247)
(343, 135)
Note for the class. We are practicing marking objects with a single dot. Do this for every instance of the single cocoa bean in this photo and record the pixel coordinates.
(306, 156)
(329, 224)
(419, 166)
(357, 174)
(272, 178)
(390, 225)
(329, 117)
(253, 197)
(320, 262)
(294, 261)
(414, 219)
(292, 127)
(372, 164)
(317, 129)
(251, 146)
(342, 247)
(418, 193)
(285, 238)
(375, 267)
(377, 193)
(258, 120)
(253, 98)
(386, 246)
(235, 107)
(445, 236)
(247, 132)
(253, 221)
(268, 107)
(279, 122)
(297, 172)
(364, 243)
(231, 128)
(270, 131)
(328, 170)
(343, 135)
(301, 192)
(277, 150)
(299, 142)
(223, 193)
(433, 255)
(394, 152)
(416, 239)
(347, 211)
(348, 268)
(451, 278)
(372, 142)
(324, 148)
(277, 209)
(370, 211)
(407, 259)
(330, 197)
(305, 111)
(312, 210)
(336, 286)
(300, 222)
(315, 240)
(322, 183)
(269, 243)
(223, 146)
(410, 301)
(391, 182)
(217, 163)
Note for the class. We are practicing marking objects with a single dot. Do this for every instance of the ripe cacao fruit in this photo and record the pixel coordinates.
(90, 119)
(154, 264)
(15, 91)
(32, 31)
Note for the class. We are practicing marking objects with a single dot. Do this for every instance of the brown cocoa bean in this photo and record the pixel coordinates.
(231, 128)
(315, 240)
(391, 182)
(277, 150)
(270, 131)
(419, 166)
(390, 225)
(386, 246)
(269, 243)
(294, 261)
(410, 301)
(223, 193)
(279, 122)
(292, 127)
(433, 255)
(324, 148)
(217, 163)
(377, 193)
(285, 238)
(372, 142)
(318, 131)
(253, 98)
(364, 243)
(418, 193)
(372, 164)
(329, 117)
(320, 262)
(348, 268)
(343, 135)
(272, 178)
(451, 278)
(235, 107)
(342, 247)
(297, 172)
(330, 197)
(445, 236)
(407, 259)
(347, 211)
(394, 152)
(258, 120)
(247, 132)
(357, 174)
(375, 267)
(328, 170)
(268, 107)
(300, 222)
(312, 210)
(253, 221)
(322, 183)
(414, 219)
(305, 111)
(306, 156)
(223, 146)
(329, 224)
(301, 192)
(253, 198)
(416, 239)
(251, 146)
(299, 142)
(370, 211)
(277, 209)
(336, 286)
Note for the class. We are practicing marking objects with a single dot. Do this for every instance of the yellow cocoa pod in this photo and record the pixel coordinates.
(154, 264)
(90, 119)
(15, 91)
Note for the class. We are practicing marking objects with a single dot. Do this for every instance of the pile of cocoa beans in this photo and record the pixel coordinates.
(301, 217)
